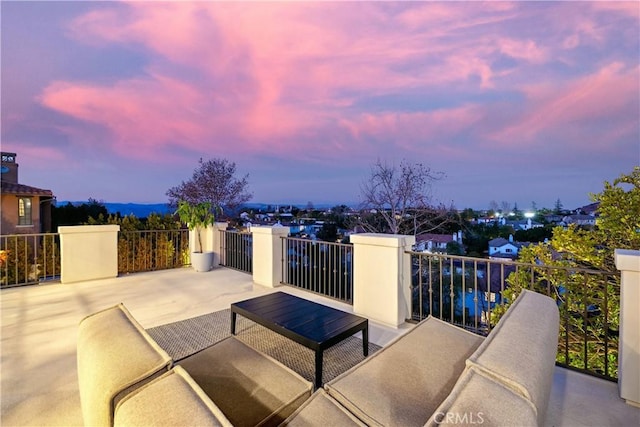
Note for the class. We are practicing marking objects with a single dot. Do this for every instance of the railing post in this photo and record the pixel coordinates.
(382, 277)
(216, 240)
(88, 252)
(628, 262)
(267, 254)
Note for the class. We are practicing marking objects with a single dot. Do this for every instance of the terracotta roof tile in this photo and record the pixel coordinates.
(21, 189)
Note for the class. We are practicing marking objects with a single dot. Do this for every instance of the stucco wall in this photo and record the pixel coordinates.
(88, 252)
(9, 210)
(382, 277)
(267, 267)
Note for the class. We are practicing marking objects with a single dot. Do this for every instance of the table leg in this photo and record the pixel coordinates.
(233, 322)
(365, 341)
(319, 354)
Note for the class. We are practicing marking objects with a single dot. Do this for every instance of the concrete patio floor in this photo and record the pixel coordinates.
(38, 378)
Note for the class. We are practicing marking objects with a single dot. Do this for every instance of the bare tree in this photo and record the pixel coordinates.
(398, 199)
(213, 181)
(493, 207)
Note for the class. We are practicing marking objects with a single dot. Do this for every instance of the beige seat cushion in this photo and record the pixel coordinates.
(172, 399)
(249, 387)
(477, 400)
(322, 411)
(403, 383)
(521, 350)
(115, 355)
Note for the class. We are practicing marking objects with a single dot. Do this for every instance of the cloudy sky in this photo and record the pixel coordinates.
(513, 101)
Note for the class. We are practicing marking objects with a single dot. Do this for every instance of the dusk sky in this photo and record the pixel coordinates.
(513, 101)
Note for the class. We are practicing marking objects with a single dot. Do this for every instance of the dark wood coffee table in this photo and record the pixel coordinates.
(313, 325)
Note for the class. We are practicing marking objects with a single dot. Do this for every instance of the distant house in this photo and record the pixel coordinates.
(523, 224)
(430, 242)
(25, 209)
(516, 224)
(580, 219)
(553, 219)
(487, 220)
(591, 209)
(501, 248)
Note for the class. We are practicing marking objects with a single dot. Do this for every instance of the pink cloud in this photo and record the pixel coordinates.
(270, 43)
(165, 27)
(596, 24)
(158, 112)
(440, 16)
(527, 50)
(413, 132)
(608, 96)
(223, 40)
(139, 114)
(276, 77)
(39, 156)
(629, 8)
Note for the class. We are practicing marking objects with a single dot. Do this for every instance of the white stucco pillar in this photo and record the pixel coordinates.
(216, 241)
(628, 262)
(382, 277)
(88, 252)
(267, 254)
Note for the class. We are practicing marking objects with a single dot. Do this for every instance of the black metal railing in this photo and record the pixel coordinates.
(236, 250)
(322, 267)
(27, 259)
(151, 250)
(473, 293)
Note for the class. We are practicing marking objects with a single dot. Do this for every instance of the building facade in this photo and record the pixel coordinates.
(25, 209)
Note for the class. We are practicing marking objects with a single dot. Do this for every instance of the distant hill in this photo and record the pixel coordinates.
(252, 205)
(140, 210)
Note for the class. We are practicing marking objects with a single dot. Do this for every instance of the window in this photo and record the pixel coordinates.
(24, 211)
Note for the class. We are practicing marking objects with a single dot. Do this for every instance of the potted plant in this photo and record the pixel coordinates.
(198, 217)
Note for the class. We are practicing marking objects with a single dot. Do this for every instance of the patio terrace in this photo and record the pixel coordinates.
(38, 378)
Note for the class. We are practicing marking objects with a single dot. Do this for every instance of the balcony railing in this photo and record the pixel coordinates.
(152, 250)
(236, 250)
(27, 259)
(317, 266)
(470, 292)
(473, 293)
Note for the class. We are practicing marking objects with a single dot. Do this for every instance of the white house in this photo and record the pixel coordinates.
(430, 242)
(487, 220)
(525, 224)
(579, 219)
(501, 248)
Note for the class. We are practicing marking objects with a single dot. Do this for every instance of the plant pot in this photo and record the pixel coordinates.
(202, 261)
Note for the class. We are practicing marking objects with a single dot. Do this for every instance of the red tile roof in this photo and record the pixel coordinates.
(21, 189)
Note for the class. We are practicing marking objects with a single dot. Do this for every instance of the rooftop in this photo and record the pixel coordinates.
(38, 377)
